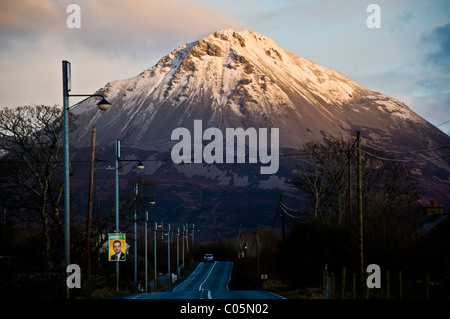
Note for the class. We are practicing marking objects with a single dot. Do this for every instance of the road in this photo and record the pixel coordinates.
(207, 281)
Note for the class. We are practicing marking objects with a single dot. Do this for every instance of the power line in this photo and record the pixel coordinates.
(284, 207)
(406, 152)
(442, 123)
(405, 160)
(292, 215)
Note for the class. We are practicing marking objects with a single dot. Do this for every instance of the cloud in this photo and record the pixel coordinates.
(117, 39)
(435, 108)
(438, 42)
(116, 27)
(21, 16)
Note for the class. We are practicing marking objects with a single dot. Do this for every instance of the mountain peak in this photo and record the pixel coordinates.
(239, 37)
(245, 80)
(241, 79)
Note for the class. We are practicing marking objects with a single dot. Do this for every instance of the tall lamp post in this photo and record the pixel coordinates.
(139, 166)
(102, 105)
(152, 202)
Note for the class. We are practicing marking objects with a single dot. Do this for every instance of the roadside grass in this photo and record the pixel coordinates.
(289, 292)
(107, 292)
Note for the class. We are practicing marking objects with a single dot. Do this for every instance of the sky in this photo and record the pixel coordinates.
(407, 57)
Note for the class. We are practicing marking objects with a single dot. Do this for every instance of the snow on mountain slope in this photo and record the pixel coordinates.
(237, 79)
(246, 80)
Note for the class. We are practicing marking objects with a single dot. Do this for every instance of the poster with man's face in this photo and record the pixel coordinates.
(117, 245)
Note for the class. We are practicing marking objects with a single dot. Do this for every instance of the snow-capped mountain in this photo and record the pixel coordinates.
(246, 80)
(241, 79)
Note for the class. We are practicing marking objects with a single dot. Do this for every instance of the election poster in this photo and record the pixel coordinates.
(117, 247)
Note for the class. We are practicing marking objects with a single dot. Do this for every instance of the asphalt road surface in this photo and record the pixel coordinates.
(209, 280)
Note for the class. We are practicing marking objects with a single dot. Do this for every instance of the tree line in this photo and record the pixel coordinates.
(31, 183)
(31, 196)
(323, 231)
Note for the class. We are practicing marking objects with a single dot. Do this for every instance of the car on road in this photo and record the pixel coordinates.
(208, 257)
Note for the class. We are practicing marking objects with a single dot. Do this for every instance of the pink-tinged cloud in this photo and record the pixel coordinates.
(112, 22)
(20, 16)
(117, 39)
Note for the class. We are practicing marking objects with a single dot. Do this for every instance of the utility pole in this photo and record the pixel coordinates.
(178, 252)
(154, 255)
(240, 230)
(66, 66)
(89, 212)
(360, 213)
(135, 233)
(257, 257)
(116, 174)
(283, 229)
(146, 267)
(349, 170)
(168, 255)
(187, 238)
(4, 229)
(193, 242)
(182, 243)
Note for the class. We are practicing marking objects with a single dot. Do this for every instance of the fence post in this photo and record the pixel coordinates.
(388, 285)
(325, 284)
(332, 286)
(354, 286)
(343, 282)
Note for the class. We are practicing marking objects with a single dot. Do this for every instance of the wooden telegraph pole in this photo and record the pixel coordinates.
(283, 229)
(360, 213)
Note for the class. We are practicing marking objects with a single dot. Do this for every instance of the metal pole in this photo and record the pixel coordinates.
(257, 258)
(66, 89)
(116, 171)
(182, 241)
(168, 255)
(146, 223)
(178, 252)
(135, 234)
(89, 212)
(154, 255)
(193, 242)
(187, 239)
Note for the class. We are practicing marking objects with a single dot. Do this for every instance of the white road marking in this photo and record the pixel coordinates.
(200, 287)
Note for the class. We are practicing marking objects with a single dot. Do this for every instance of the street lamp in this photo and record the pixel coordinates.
(102, 105)
(140, 166)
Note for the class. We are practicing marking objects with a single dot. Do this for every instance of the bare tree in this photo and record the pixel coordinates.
(320, 172)
(30, 138)
(389, 194)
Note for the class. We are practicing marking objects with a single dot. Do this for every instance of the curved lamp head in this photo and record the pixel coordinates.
(140, 166)
(152, 201)
(104, 105)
